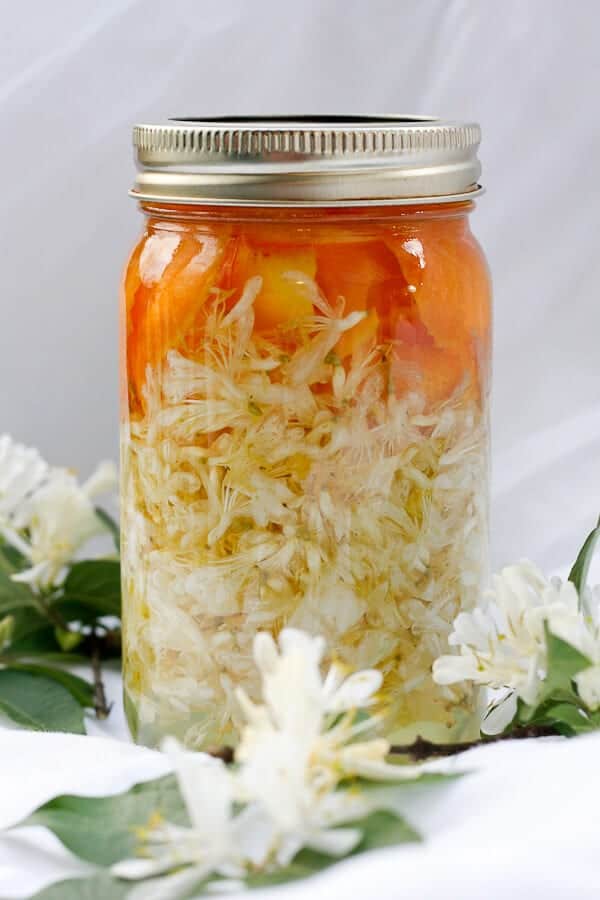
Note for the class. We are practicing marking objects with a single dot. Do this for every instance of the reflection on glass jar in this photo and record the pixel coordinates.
(304, 443)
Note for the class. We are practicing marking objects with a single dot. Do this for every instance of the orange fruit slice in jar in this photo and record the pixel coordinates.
(283, 298)
(367, 277)
(132, 281)
(451, 289)
(176, 271)
(422, 368)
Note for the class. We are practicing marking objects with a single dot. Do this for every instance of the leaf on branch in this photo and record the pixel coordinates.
(13, 594)
(79, 688)
(384, 829)
(34, 638)
(7, 627)
(393, 796)
(31, 629)
(306, 863)
(110, 524)
(579, 572)
(564, 662)
(95, 583)
(71, 611)
(39, 703)
(103, 830)
(67, 640)
(569, 719)
(96, 887)
(11, 559)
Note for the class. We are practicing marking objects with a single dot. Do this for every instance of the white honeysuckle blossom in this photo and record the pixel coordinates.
(212, 845)
(284, 792)
(320, 713)
(304, 740)
(22, 471)
(45, 513)
(502, 643)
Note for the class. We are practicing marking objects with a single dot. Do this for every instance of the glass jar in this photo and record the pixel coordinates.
(304, 414)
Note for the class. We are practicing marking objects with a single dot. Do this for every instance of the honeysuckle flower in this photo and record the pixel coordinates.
(224, 840)
(500, 713)
(502, 643)
(59, 518)
(45, 513)
(22, 471)
(213, 844)
(301, 654)
(286, 789)
(304, 740)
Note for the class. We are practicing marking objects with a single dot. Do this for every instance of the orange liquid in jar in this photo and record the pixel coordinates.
(305, 444)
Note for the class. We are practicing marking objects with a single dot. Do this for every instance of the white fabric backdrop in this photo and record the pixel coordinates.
(75, 74)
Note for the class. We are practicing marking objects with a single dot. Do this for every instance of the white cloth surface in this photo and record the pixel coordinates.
(74, 75)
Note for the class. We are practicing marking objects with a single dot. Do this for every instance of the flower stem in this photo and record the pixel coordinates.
(225, 753)
(46, 609)
(101, 707)
(421, 749)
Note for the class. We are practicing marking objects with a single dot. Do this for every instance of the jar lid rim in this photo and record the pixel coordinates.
(308, 160)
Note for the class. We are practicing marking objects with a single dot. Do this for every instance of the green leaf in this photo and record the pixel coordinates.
(565, 715)
(96, 887)
(67, 640)
(79, 688)
(13, 595)
(110, 524)
(564, 662)
(95, 583)
(71, 611)
(594, 719)
(102, 830)
(7, 628)
(384, 829)
(305, 864)
(579, 572)
(404, 786)
(11, 559)
(33, 630)
(35, 639)
(569, 719)
(39, 703)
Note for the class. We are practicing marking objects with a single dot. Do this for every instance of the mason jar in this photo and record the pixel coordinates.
(305, 379)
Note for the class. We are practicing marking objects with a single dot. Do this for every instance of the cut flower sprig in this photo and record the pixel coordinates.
(536, 642)
(56, 605)
(303, 770)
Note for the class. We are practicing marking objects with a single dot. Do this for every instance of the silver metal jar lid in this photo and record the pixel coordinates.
(307, 161)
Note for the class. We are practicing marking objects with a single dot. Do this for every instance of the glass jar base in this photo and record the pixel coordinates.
(202, 732)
